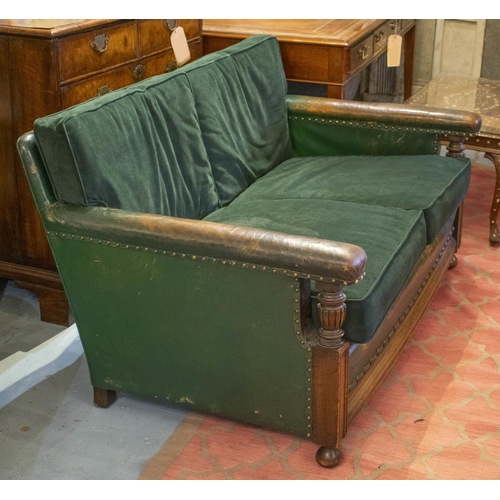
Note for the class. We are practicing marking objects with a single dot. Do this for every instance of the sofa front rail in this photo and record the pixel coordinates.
(305, 257)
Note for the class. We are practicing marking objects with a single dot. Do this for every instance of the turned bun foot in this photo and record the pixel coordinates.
(103, 398)
(453, 263)
(328, 457)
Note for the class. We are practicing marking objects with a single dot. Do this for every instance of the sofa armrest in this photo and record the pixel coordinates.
(307, 257)
(433, 119)
(322, 126)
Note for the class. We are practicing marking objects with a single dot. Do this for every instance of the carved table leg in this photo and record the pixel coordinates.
(495, 205)
(330, 376)
(104, 398)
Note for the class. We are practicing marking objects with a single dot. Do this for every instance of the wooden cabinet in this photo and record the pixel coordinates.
(328, 52)
(48, 65)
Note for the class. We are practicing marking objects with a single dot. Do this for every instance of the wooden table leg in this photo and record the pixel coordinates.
(495, 205)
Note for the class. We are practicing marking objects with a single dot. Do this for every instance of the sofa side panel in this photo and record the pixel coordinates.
(211, 337)
(316, 136)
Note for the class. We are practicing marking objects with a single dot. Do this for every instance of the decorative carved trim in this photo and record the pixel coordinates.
(332, 312)
(456, 146)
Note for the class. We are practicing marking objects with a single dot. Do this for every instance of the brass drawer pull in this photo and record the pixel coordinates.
(139, 72)
(394, 24)
(103, 90)
(171, 24)
(379, 36)
(363, 52)
(100, 42)
(171, 66)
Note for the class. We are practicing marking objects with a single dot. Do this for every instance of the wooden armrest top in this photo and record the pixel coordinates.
(433, 119)
(302, 256)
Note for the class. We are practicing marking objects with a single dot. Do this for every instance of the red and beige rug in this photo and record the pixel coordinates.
(435, 416)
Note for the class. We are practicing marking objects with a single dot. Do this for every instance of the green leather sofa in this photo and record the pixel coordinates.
(239, 251)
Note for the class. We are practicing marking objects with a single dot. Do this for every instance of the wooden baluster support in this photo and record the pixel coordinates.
(330, 376)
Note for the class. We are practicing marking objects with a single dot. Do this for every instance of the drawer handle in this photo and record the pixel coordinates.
(100, 42)
(379, 36)
(171, 66)
(139, 72)
(363, 52)
(171, 24)
(103, 90)
(394, 24)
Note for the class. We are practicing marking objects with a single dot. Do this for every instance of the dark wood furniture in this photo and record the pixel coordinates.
(48, 65)
(481, 96)
(325, 51)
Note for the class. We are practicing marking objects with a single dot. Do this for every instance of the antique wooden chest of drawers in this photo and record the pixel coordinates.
(320, 51)
(48, 65)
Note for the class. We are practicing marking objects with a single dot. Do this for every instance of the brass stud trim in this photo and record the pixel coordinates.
(296, 275)
(401, 318)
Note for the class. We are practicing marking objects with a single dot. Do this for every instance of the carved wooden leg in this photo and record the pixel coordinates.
(495, 205)
(328, 457)
(453, 262)
(104, 398)
(330, 376)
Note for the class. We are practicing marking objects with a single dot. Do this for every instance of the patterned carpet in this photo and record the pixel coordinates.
(435, 416)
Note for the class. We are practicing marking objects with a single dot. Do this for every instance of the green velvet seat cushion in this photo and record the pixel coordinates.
(240, 96)
(392, 238)
(138, 148)
(434, 184)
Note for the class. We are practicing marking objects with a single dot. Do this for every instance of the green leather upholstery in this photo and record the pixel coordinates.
(340, 137)
(393, 240)
(188, 332)
(137, 148)
(434, 184)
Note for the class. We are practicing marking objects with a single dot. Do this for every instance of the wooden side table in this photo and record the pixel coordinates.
(325, 51)
(479, 95)
(48, 65)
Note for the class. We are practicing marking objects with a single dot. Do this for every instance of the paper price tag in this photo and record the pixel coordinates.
(180, 46)
(394, 43)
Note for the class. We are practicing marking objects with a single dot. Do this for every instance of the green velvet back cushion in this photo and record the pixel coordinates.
(241, 102)
(139, 149)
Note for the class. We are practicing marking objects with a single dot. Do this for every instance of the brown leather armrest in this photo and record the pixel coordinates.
(432, 119)
(302, 256)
